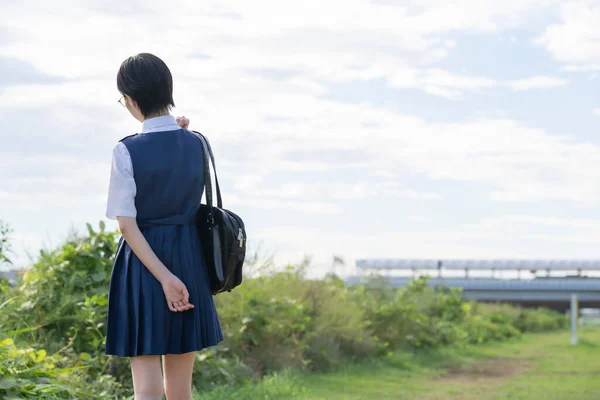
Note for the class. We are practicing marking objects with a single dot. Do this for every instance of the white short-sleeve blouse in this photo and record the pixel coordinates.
(122, 189)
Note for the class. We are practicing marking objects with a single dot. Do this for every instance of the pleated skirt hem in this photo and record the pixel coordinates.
(111, 352)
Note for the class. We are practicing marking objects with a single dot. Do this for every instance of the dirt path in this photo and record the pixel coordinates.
(541, 367)
(466, 381)
(493, 370)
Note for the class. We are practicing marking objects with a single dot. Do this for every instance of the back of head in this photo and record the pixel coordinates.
(148, 81)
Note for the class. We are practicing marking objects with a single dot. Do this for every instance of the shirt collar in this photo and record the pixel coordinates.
(160, 124)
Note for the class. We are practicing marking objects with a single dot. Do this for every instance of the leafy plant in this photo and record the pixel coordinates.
(64, 297)
(31, 374)
(277, 320)
(5, 247)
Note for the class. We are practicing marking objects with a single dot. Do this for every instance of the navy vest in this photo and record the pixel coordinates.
(168, 168)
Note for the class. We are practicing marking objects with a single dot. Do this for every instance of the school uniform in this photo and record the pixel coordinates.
(157, 177)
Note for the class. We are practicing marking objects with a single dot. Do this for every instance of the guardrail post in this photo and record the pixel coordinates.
(574, 315)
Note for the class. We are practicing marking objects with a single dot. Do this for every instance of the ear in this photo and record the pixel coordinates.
(134, 104)
(134, 109)
(131, 101)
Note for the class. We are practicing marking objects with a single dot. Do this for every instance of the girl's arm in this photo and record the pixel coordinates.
(175, 291)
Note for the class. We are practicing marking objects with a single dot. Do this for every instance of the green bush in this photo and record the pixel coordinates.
(27, 373)
(271, 323)
(5, 247)
(63, 296)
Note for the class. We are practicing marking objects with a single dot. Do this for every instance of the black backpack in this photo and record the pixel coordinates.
(222, 233)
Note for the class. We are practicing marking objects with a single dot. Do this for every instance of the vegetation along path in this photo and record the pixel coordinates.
(537, 367)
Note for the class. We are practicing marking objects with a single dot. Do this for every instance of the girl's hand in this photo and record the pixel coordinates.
(176, 294)
(183, 122)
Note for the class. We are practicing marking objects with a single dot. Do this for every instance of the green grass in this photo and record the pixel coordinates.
(537, 367)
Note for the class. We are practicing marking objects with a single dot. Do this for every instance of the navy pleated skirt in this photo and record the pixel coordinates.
(139, 320)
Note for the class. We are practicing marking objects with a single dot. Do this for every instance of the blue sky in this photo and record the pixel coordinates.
(409, 128)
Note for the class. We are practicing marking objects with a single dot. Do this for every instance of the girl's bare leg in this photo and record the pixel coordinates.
(147, 377)
(178, 370)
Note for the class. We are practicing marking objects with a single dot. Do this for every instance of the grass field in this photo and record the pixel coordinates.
(537, 367)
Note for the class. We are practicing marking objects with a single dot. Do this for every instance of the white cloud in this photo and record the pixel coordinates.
(537, 82)
(418, 219)
(450, 43)
(443, 83)
(523, 163)
(322, 243)
(575, 39)
(386, 42)
(439, 77)
(255, 77)
(582, 68)
(435, 16)
(509, 236)
(384, 173)
(300, 196)
(339, 191)
(288, 204)
(541, 228)
(443, 92)
(516, 222)
(596, 111)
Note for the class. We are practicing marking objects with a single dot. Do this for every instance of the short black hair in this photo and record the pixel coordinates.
(147, 80)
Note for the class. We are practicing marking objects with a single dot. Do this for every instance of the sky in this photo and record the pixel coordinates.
(365, 129)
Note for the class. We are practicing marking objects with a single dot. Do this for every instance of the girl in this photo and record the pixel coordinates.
(160, 302)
